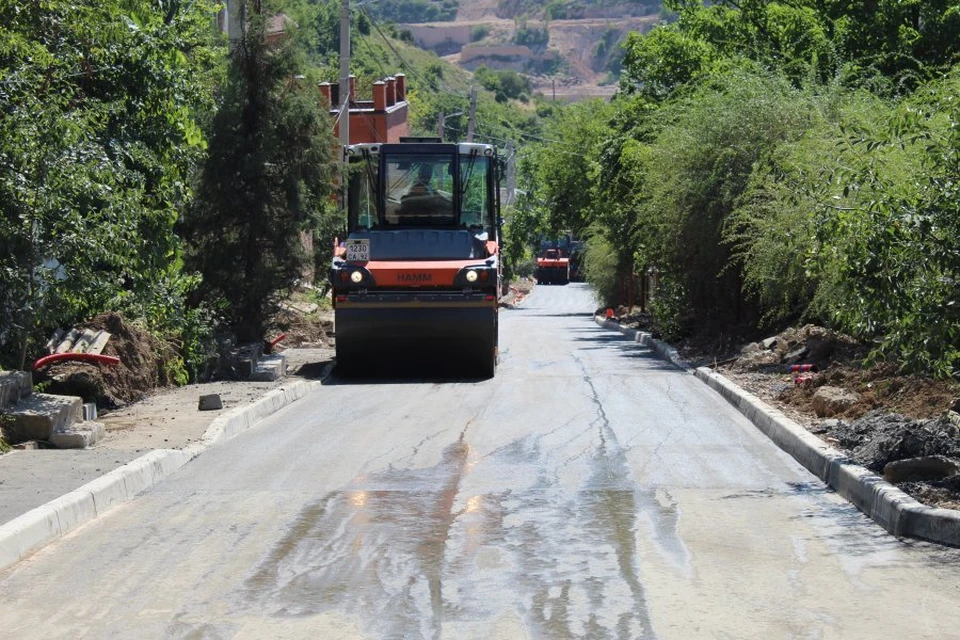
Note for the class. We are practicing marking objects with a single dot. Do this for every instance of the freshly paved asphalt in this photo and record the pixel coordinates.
(589, 490)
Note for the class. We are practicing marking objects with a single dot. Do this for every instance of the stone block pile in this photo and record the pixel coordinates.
(63, 421)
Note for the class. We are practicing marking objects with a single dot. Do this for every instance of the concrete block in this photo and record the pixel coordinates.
(9, 546)
(39, 416)
(14, 385)
(89, 411)
(78, 436)
(9, 389)
(148, 469)
(210, 402)
(35, 529)
(270, 368)
(26, 383)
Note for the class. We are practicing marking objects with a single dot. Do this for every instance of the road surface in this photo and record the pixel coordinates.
(589, 490)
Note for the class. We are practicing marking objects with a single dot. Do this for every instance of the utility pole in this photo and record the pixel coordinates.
(344, 72)
(471, 124)
(511, 173)
(344, 97)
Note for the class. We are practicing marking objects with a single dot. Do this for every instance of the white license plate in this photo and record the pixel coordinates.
(358, 250)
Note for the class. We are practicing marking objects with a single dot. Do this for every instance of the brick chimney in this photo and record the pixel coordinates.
(379, 96)
(391, 91)
(325, 92)
(401, 87)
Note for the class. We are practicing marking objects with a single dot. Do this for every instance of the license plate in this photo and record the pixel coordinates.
(358, 250)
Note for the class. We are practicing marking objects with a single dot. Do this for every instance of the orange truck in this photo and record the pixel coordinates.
(553, 267)
(419, 269)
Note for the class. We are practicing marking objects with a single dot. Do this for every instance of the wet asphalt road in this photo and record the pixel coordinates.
(587, 491)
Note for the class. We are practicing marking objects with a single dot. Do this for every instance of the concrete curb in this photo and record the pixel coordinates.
(659, 347)
(39, 527)
(887, 505)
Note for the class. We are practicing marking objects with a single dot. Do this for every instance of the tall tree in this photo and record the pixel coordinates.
(267, 179)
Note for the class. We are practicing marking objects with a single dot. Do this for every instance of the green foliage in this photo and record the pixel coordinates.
(533, 37)
(505, 85)
(601, 266)
(100, 105)
(695, 173)
(266, 180)
(898, 245)
(777, 162)
(415, 10)
(479, 32)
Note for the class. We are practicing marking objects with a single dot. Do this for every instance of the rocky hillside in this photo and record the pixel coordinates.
(569, 48)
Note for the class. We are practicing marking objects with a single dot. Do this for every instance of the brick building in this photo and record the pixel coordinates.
(382, 119)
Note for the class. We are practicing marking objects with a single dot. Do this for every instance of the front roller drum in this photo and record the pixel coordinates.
(440, 338)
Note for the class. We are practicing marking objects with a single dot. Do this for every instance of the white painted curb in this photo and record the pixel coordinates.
(39, 527)
(659, 347)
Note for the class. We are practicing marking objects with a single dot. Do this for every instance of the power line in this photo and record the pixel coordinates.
(406, 65)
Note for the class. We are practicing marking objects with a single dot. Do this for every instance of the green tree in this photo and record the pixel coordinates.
(99, 108)
(267, 179)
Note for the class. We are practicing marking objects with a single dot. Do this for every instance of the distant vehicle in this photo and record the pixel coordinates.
(553, 267)
(420, 265)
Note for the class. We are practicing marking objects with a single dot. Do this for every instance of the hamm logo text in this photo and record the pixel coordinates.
(414, 278)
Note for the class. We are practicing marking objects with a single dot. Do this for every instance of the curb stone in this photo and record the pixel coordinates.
(885, 504)
(37, 528)
(659, 347)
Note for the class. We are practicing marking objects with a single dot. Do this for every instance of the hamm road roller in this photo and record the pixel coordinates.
(419, 271)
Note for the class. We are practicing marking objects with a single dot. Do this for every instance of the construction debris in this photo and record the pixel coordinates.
(78, 341)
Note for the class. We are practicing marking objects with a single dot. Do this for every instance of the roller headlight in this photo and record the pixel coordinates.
(356, 277)
(471, 276)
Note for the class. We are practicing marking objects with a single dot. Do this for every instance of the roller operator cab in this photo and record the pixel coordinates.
(419, 270)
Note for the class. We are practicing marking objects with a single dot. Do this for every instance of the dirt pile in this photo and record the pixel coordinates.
(878, 438)
(309, 328)
(141, 369)
(809, 344)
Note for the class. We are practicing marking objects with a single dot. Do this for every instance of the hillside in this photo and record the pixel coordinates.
(569, 49)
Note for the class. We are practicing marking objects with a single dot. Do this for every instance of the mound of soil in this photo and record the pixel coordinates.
(141, 368)
(880, 438)
(304, 327)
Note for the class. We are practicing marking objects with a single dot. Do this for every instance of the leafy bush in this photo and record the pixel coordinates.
(99, 110)
(601, 268)
(504, 84)
(415, 10)
(479, 32)
(533, 37)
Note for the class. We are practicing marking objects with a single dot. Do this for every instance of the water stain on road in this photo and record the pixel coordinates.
(407, 553)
